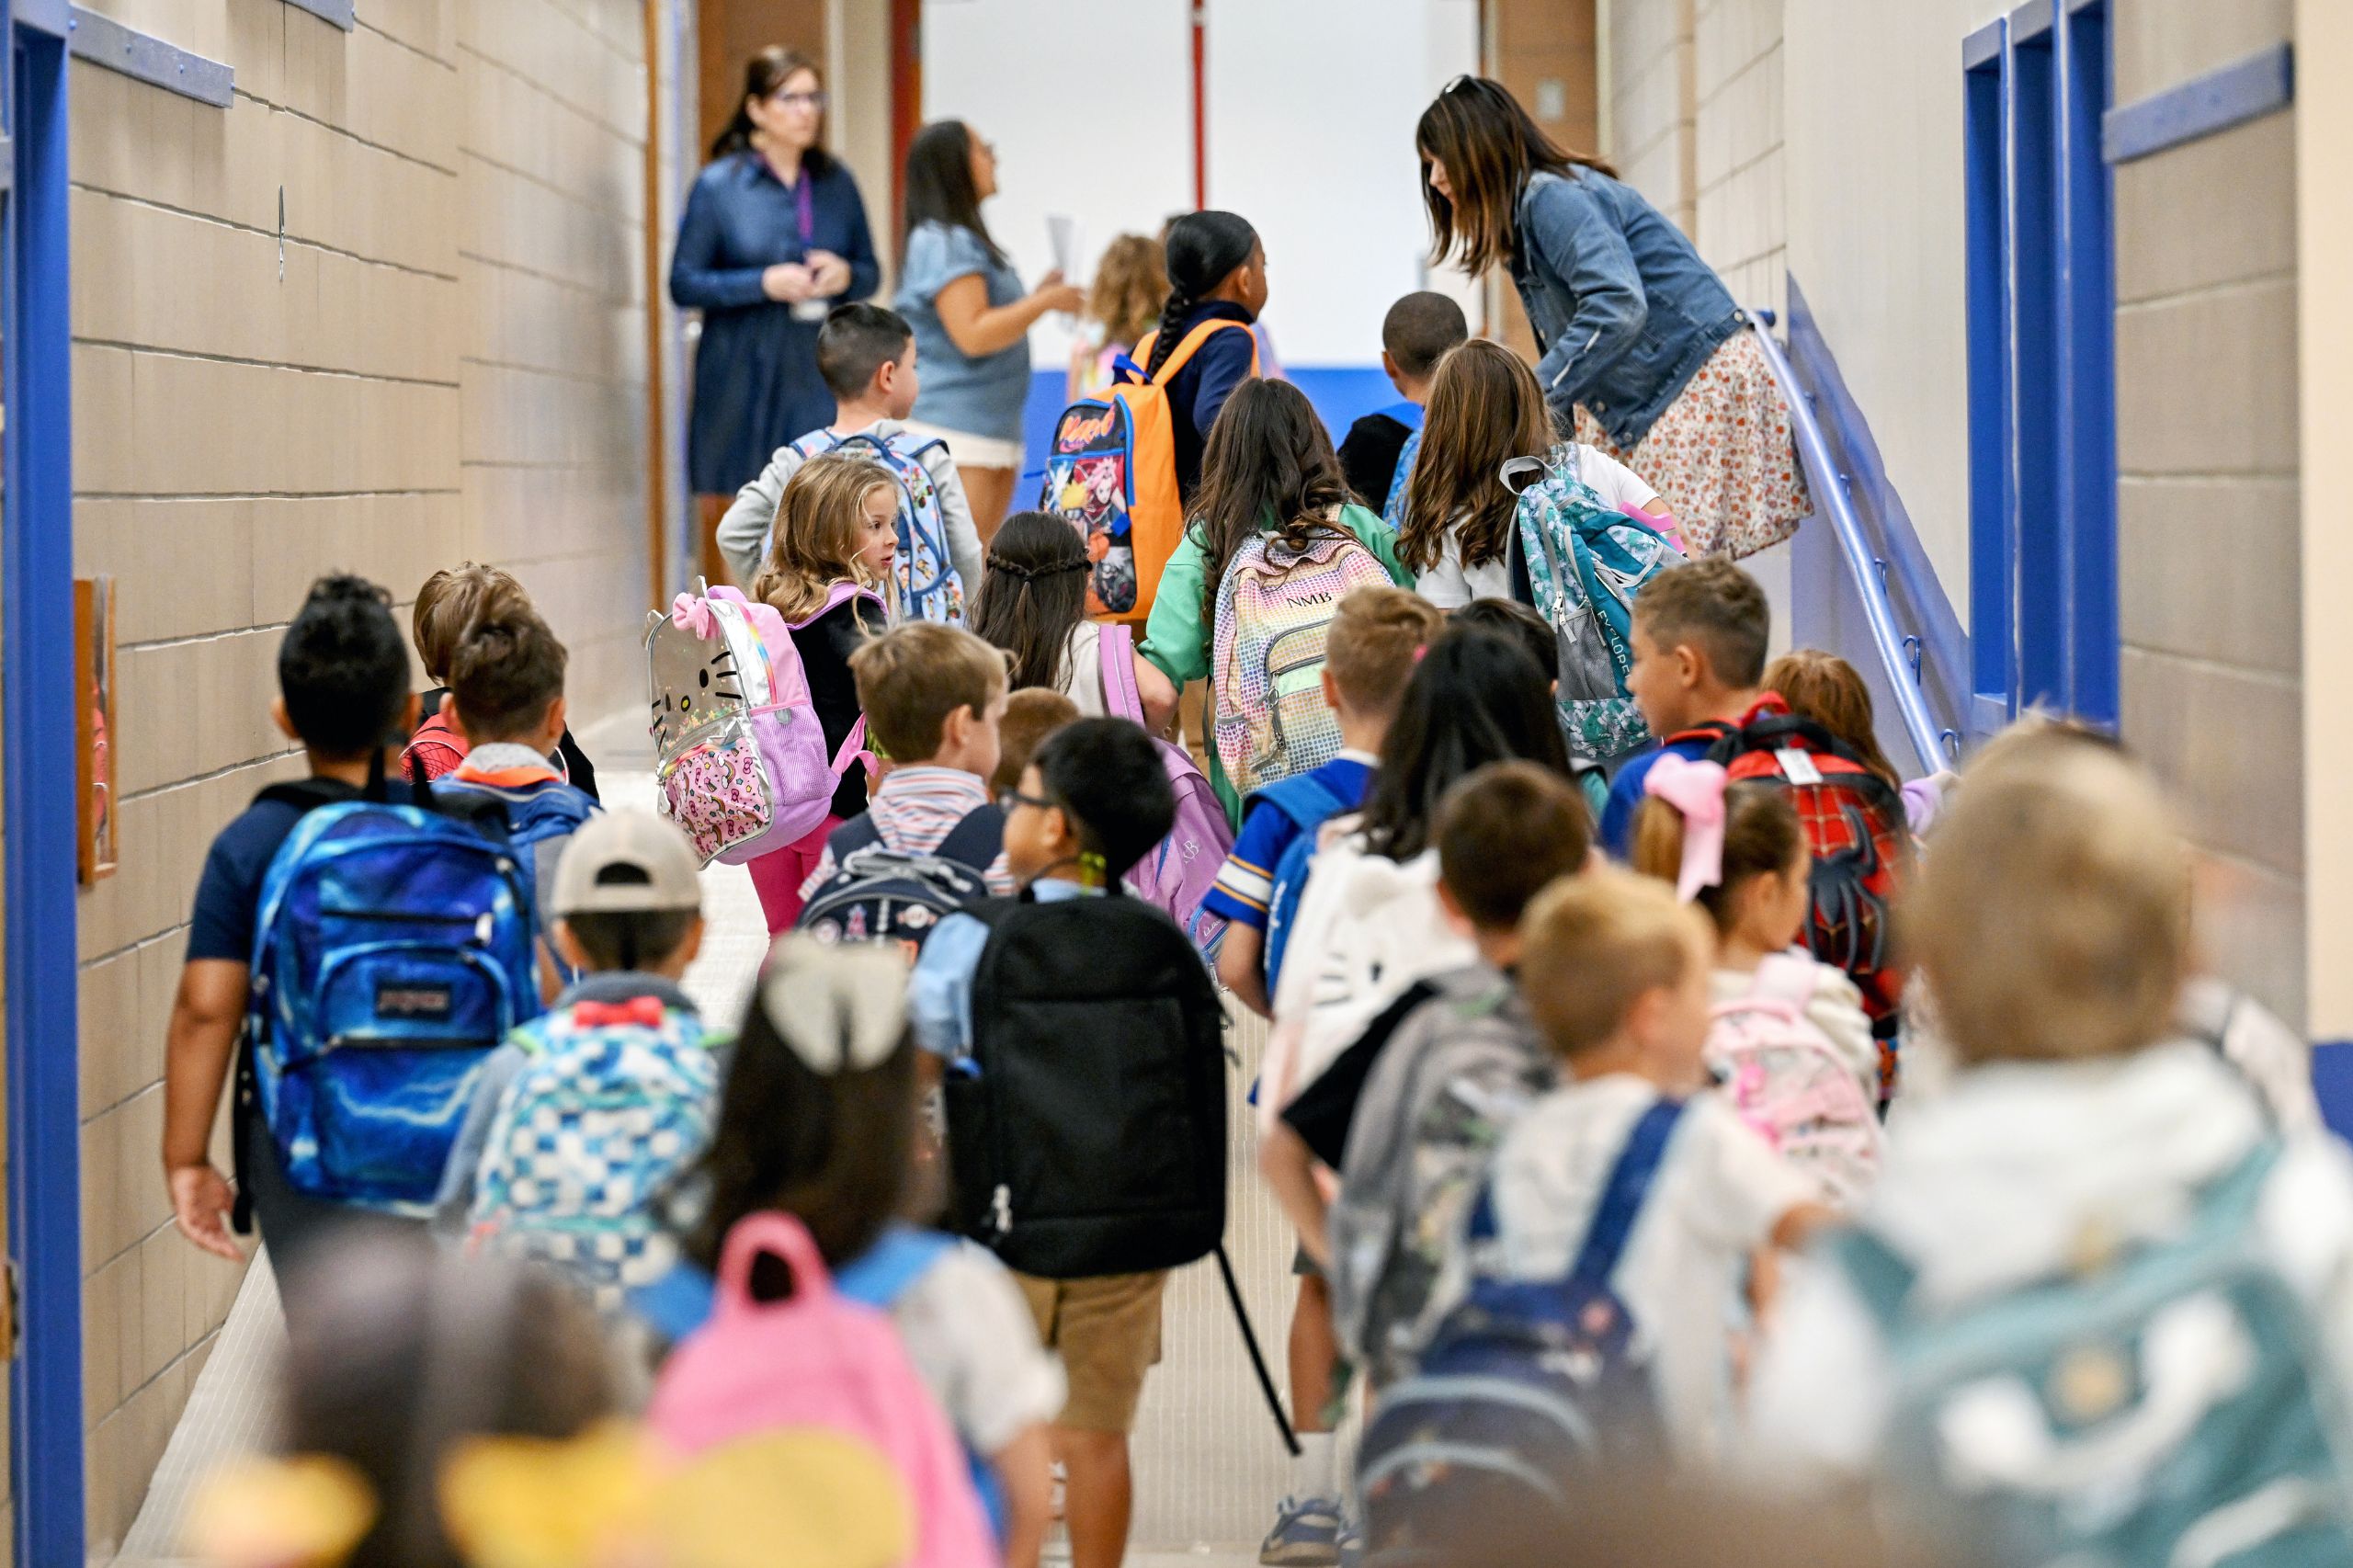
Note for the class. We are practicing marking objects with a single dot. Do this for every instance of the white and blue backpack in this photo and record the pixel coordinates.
(612, 1107)
(392, 951)
(2165, 1403)
(929, 588)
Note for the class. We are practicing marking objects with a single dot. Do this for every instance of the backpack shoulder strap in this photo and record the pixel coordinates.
(975, 842)
(858, 832)
(1881, 1276)
(1190, 345)
(1786, 979)
(886, 1270)
(1306, 800)
(1621, 1200)
(1115, 653)
(306, 794)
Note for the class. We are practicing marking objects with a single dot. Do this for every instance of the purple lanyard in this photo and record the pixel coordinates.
(805, 209)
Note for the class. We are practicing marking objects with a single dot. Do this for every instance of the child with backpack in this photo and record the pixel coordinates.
(1033, 605)
(344, 695)
(1377, 637)
(1030, 716)
(867, 355)
(829, 573)
(507, 698)
(2094, 1309)
(1217, 283)
(1464, 1061)
(1791, 1042)
(1274, 545)
(1699, 637)
(589, 1114)
(1830, 691)
(1379, 451)
(932, 837)
(1085, 1093)
(447, 604)
(817, 1126)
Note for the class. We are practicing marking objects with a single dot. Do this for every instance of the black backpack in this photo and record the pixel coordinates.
(1088, 1129)
(878, 893)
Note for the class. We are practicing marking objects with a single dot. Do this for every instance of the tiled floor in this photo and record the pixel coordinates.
(1208, 1463)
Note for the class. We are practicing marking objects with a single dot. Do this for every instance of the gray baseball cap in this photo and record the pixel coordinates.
(626, 862)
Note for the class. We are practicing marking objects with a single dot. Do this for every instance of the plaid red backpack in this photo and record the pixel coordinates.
(1854, 821)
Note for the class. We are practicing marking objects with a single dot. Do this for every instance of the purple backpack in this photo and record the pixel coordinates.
(1180, 869)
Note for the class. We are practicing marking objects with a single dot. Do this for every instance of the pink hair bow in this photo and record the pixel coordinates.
(692, 611)
(1697, 789)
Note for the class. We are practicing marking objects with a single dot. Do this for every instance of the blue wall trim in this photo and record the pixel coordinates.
(2262, 83)
(2029, 22)
(37, 873)
(1827, 611)
(1979, 47)
(2333, 1084)
(102, 40)
(337, 13)
(51, 16)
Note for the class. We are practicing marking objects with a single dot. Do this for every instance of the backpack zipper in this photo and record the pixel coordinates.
(1001, 1209)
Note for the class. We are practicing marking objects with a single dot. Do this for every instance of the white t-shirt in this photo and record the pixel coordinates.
(1450, 585)
(1717, 1194)
(971, 1337)
(1083, 671)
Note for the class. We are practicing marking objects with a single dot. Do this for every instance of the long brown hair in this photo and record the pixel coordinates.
(1489, 145)
(815, 541)
(765, 74)
(1826, 688)
(1484, 408)
(1268, 467)
(1762, 837)
(939, 187)
(1034, 595)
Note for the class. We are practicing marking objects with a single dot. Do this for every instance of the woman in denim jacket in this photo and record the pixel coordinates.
(1645, 353)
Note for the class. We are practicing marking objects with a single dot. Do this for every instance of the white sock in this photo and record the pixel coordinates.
(1313, 1466)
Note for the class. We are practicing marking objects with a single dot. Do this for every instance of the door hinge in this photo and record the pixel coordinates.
(10, 1334)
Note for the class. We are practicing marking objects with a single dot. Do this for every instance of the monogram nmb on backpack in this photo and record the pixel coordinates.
(1180, 870)
(740, 762)
(1584, 563)
(1529, 1388)
(1787, 1082)
(2175, 1404)
(391, 953)
(611, 1109)
(1275, 608)
(1111, 470)
(929, 588)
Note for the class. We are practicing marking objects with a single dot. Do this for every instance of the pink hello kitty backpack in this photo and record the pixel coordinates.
(740, 759)
(1181, 868)
(818, 1363)
(1787, 1081)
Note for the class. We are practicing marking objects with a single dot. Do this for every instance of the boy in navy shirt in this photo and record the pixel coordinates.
(344, 694)
(1378, 456)
(1369, 656)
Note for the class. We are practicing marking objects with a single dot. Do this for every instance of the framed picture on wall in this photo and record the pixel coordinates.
(93, 720)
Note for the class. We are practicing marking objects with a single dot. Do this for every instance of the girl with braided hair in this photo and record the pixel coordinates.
(1217, 273)
(1033, 605)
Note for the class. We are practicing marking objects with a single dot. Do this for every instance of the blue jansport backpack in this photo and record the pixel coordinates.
(614, 1105)
(929, 588)
(1528, 1388)
(1310, 803)
(2173, 1405)
(392, 952)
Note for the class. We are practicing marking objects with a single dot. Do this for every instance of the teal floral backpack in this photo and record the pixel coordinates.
(1585, 564)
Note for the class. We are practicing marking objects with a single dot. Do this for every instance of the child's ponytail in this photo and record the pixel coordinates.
(1710, 838)
(1203, 249)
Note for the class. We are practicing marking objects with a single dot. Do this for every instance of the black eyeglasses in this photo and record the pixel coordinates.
(798, 100)
(1035, 803)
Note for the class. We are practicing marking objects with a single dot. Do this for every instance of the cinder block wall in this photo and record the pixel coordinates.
(1736, 123)
(2208, 527)
(451, 364)
(1653, 103)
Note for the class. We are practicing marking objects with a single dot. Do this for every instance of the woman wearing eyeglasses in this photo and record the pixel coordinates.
(774, 236)
(971, 315)
(1646, 358)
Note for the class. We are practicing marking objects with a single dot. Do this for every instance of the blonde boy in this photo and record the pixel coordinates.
(1615, 971)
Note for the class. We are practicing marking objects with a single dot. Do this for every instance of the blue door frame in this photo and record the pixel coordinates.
(37, 791)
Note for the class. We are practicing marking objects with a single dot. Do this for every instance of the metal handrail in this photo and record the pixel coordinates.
(1833, 499)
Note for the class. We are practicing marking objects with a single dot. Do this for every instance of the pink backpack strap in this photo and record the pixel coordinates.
(777, 1234)
(841, 591)
(1786, 979)
(853, 749)
(1116, 651)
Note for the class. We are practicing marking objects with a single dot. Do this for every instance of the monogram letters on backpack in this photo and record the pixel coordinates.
(392, 952)
(929, 588)
(740, 762)
(1275, 608)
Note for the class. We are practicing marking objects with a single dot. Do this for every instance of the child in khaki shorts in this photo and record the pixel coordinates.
(1106, 1331)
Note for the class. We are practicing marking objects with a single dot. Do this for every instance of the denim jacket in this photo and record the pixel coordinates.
(1624, 307)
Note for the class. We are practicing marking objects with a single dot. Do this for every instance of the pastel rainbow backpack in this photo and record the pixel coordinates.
(817, 1383)
(1787, 1081)
(741, 763)
(1275, 608)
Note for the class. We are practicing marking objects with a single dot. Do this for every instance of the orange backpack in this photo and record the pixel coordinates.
(1112, 471)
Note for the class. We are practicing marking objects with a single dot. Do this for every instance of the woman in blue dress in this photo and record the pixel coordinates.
(774, 236)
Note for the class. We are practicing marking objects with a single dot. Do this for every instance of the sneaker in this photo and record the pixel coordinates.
(1306, 1535)
(1351, 1543)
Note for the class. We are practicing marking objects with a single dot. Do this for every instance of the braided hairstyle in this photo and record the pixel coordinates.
(1033, 596)
(1204, 250)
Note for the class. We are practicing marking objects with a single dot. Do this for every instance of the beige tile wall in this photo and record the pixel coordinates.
(2210, 573)
(1742, 218)
(452, 363)
(1653, 98)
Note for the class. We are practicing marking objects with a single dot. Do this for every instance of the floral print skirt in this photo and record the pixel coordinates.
(1721, 455)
